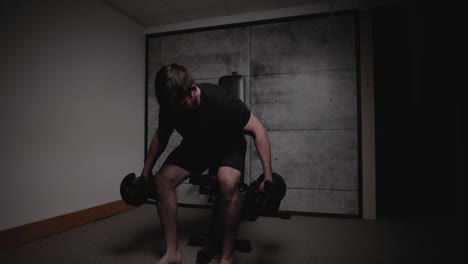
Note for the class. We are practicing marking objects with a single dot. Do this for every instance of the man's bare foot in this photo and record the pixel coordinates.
(170, 259)
(226, 260)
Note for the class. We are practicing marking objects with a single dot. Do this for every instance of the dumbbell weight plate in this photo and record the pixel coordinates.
(128, 192)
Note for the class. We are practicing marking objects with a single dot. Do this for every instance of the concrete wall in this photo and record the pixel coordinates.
(71, 107)
(302, 84)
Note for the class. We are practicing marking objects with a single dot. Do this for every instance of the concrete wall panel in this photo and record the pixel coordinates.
(303, 45)
(302, 84)
(312, 100)
(154, 58)
(210, 54)
(316, 159)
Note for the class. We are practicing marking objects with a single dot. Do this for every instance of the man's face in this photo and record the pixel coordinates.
(189, 102)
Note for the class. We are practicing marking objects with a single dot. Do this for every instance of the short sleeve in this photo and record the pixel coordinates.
(237, 112)
(165, 118)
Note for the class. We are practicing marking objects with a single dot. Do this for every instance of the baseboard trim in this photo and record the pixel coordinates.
(26, 233)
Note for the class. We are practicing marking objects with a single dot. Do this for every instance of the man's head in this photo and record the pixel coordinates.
(175, 88)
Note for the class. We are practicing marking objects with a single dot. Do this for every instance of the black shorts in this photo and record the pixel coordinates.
(196, 159)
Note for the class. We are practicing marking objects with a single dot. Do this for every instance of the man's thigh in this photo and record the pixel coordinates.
(196, 160)
(170, 175)
(234, 157)
(191, 159)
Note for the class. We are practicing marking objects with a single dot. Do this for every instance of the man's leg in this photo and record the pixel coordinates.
(228, 179)
(166, 180)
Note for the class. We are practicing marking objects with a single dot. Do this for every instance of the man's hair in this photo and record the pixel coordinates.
(173, 82)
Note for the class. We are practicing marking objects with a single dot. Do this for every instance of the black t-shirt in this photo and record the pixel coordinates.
(216, 123)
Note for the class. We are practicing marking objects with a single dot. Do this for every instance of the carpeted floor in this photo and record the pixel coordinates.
(135, 237)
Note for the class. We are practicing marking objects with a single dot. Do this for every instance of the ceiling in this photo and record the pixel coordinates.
(152, 13)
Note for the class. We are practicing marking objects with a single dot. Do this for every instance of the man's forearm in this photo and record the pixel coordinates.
(262, 143)
(155, 150)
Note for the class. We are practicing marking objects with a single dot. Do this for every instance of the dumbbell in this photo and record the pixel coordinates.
(135, 191)
(264, 202)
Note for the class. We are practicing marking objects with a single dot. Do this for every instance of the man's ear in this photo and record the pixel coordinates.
(193, 90)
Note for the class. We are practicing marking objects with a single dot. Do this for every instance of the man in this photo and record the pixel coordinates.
(212, 125)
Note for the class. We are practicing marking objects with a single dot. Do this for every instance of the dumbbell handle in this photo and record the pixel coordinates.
(148, 185)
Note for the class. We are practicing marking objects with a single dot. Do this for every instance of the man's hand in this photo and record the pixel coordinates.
(261, 187)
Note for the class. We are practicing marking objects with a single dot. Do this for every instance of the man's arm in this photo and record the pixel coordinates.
(157, 147)
(256, 129)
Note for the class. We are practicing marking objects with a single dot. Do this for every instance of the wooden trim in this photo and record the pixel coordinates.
(19, 235)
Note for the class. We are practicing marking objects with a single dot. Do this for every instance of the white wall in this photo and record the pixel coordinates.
(71, 107)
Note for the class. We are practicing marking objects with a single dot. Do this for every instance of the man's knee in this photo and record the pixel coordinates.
(228, 179)
(169, 177)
